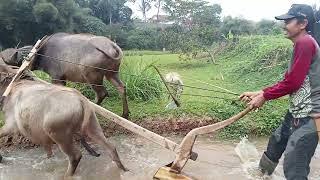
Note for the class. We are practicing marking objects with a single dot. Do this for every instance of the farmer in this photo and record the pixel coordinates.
(297, 137)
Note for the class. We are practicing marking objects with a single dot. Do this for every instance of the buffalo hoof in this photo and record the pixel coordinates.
(90, 150)
(0, 158)
(126, 116)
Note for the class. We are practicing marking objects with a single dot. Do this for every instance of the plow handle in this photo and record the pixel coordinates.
(188, 141)
(162, 141)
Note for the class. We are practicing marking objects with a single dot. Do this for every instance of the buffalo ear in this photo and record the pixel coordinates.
(10, 56)
(14, 57)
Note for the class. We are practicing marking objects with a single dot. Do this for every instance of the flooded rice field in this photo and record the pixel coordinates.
(217, 160)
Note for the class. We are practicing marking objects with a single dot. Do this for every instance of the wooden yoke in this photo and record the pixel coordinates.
(26, 63)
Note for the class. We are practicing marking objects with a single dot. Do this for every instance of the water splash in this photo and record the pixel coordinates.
(246, 151)
(249, 156)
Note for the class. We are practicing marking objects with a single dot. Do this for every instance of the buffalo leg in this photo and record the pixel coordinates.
(65, 143)
(94, 132)
(96, 82)
(48, 149)
(59, 81)
(4, 131)
(101, 93)
(116, 82)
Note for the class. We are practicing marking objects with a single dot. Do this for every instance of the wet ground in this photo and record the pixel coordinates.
(217, 160)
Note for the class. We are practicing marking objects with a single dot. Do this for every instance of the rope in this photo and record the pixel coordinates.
(57, 59)
(205, 89)
(76, 82)
(225, 91)
(215, 97)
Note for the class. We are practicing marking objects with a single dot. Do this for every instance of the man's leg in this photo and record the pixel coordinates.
(300, 149)
(276, 146)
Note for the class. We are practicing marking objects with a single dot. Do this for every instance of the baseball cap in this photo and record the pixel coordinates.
(299, 11)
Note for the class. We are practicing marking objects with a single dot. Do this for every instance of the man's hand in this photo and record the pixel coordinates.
(257, 101)
(248, 96)
(254, 99)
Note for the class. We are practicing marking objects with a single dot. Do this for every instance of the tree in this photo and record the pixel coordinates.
(267, 27)
(207, 15)
(124, 15)
(193, 13)
(158, 5)
(27, 20)
(237, 26)
(17, 22)
(144, 7)
(110, 11)
(83, 3)
(89, 24)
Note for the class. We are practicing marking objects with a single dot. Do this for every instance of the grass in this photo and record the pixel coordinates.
(252, 64)
(248, 65)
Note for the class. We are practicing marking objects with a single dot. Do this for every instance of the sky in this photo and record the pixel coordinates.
(250, 9)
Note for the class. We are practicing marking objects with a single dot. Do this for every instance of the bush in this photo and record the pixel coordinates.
(143, 39)
(118, 34)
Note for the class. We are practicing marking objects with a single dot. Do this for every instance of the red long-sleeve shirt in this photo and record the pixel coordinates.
(304, 51)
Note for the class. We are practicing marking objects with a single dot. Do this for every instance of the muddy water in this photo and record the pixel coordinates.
(217, 160)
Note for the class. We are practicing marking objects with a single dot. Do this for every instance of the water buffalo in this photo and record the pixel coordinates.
(83, 52)
(48, 114)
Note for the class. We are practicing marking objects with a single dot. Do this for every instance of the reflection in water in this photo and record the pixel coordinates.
(217, 160)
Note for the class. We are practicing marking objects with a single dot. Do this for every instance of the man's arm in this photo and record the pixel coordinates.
(304, 51)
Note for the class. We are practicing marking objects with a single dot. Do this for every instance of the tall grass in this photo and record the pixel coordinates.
(141, 80)
(141, 53)
(263, 58)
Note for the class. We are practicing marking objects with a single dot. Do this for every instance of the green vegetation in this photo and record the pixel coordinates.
(186, 25)
(250, 64)
(230, 52)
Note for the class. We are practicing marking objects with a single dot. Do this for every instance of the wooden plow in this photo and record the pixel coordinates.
(183, 151)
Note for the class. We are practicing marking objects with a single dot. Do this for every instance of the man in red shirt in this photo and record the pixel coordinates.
(297, 136)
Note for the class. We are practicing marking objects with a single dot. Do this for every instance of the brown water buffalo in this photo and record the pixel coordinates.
(83, 52)
(48, 114)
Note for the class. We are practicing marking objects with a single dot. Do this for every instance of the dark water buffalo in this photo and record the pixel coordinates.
(85, 49)
(48, 114)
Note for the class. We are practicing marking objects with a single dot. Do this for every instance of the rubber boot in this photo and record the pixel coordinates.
(266, 165)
